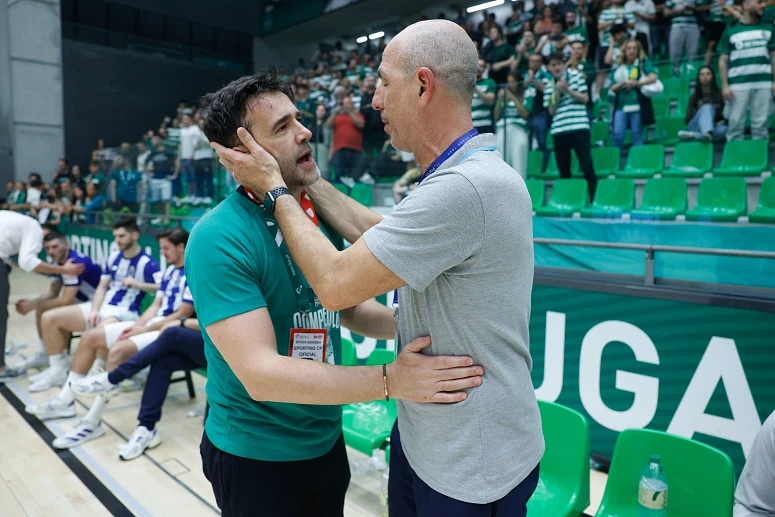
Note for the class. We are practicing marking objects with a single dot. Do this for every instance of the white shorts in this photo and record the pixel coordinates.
(113, 330)
(161, 190)
(107, 311)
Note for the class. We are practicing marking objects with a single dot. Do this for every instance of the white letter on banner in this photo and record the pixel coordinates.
(75, 243)
(554, 357)
(645, 388)
(720, 362)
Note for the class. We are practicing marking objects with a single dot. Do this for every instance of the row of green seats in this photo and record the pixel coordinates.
(690, 160)
(718, 200)
(360, 192)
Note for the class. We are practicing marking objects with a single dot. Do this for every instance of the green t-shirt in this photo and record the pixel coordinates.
(502, 53)
(510, 112)
(717, 14)
(748, 47)
(768, 18)
(309, 106)
(577, 34)
(233, 266)
(481, 113)
(628, 100)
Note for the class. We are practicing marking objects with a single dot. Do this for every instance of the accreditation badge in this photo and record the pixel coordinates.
(310, 344)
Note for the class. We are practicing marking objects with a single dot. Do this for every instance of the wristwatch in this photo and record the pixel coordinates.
(271, 197)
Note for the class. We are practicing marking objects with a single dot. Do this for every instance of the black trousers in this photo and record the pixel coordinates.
(5, 293)
(254, 488)
(579, 142)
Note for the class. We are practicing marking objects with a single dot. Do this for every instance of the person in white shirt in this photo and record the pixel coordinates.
(189, 134)
(21, 235)
(645, 13)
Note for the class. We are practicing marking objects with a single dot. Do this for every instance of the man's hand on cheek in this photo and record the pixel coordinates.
(250, 164)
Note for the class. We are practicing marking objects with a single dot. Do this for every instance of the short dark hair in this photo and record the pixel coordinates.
(619, 27)
(54, 235)
(34, 175)
(175, 236)
(64, 160)
(579, 41)
(228, 106)
(556, 56)
(50, 227)
(128, 224)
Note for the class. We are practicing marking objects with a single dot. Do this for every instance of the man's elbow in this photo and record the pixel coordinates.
(29, 264)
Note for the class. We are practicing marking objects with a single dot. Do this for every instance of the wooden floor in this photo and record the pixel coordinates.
(36, 480)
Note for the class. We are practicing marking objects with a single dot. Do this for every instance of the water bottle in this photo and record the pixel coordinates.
(652, 490)
(383, 493)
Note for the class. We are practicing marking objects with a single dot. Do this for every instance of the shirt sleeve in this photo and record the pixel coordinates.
(151, 268)
(434, 229)
(31, 246)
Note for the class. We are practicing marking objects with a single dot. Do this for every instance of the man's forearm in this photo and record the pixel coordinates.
(184, 311)
(348, 217)
(722, 70)
(50, 269)
(370, 319)
(52, 303)
(98, 298)
(150, 288)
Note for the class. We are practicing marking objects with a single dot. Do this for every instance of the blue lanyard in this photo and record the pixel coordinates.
(452, 149)
(435, 165)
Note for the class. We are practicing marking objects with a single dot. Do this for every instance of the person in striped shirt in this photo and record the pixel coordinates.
(173, 303)
(746, 69)
(720, 16)
(684, 29)
(613, 15)
(64, 290)
(127, 275)
(512, 109)
(483, 100)
(566, 96)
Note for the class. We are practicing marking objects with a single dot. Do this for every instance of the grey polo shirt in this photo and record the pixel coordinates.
(462, 242)
(755, 494)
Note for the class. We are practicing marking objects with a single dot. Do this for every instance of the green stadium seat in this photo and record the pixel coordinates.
(743, 158)
(719, 200)
(765, 209)
(568, 197)
(600, 110)
(606, 161)
(349, 357)
(563, 486)
(599, 132)
(682, 104)
(665, 71)
(675, 86)
(701, 478)
(663, 200)
(661, 107)
(341, 187)
(366, 426)
(537, 191)
(534, 162)
(612, 199)
(552, 173)
(362, 193)
(667, 128)
(549, 141)
(690, 160)
(643, 161)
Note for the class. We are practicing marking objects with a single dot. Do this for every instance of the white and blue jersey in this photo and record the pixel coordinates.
(141, 267)
(86, 282)
(173, 291)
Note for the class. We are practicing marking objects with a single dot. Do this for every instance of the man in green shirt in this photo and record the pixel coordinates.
(273, 437)
(747, 51)
(305, 104)
(483, 100)
(573, 31)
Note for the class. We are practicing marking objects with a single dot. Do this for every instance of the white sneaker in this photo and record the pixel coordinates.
(95, 385)
(348, 181)
(95, 370)
(687, 135)
(81, 433)
(49, 381)
(54, 408)
(207, 200)
(41, 374)
(140, 440)
(10, 373)
(367, 179)
(38, 361)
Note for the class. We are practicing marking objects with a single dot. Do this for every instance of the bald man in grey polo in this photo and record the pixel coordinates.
(462, 242)
(755, 494)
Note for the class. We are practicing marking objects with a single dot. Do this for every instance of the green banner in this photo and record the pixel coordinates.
(699, 371)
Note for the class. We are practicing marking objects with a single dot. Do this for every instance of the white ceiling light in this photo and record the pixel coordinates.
(485, 5)
(376, 35)
(362, 39)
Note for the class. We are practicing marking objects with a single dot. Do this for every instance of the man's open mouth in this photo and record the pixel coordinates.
(305, 159)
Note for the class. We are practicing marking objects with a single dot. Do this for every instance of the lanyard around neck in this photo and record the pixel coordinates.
(449, 151)
(306, 300)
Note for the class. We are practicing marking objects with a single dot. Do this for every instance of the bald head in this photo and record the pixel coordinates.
(446, 49)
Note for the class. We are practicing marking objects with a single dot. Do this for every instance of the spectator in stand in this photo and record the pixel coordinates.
(345, 155)
(549, 42)
(544, 25)
(95, 173)
(539, 121)
(718, 19)
(747, 74)
(96, 154)
(20, 196)
(374, 129)
(512, 110)
(515, 24)
(631, 108)
(705, 112)
(76, 177)
(142, 156)
(645, 13)
(162, 164)
(483, 100)
(321, 140)
(62, 172)
(78, 206)
(125, 185)
(203, 165)
(573, 31)
(525, 49)
(502, 56)
(305, 105)
(579, 62)
(34, 191)
(189, 134)
(566, 96)
(660, 31)
(684, 30)
(611, 16)
(615, 46)
(95, 201)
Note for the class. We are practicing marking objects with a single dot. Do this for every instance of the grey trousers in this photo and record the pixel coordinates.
(683, 42)
(5, 293)
(758, 101)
